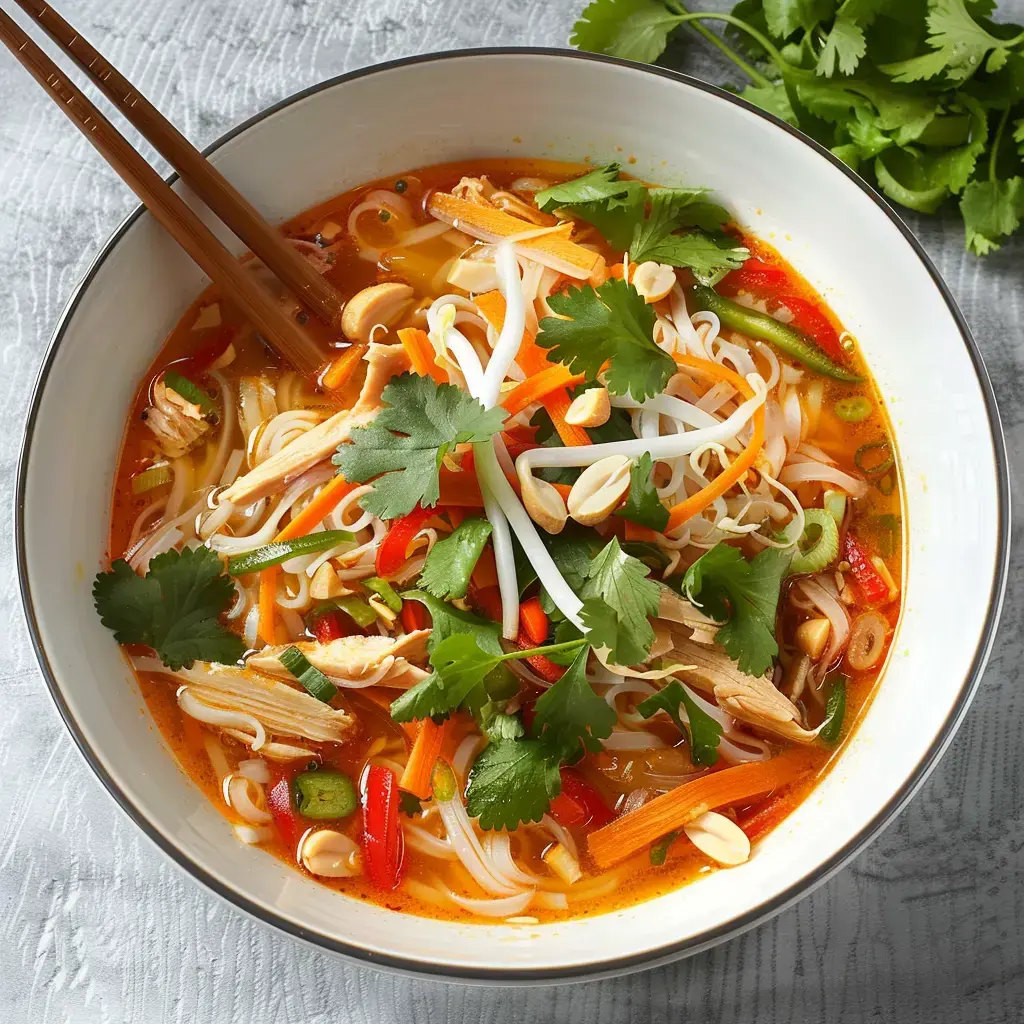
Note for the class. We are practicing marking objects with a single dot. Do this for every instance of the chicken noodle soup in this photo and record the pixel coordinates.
(575, 596)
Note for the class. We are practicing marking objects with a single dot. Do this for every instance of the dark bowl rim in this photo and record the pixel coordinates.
(608, 967)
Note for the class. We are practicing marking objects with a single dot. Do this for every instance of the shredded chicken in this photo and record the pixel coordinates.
(313, 446)
(483, 193)
(177, 424)
(673, 608)
(751, 699)
(354, 658)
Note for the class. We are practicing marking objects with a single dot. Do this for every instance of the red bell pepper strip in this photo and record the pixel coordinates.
(282, 810)
(328, 627)
(757, 277)
(391, 553)
(383, 839)
(871, 582)
(579, 803)
(533, 622)
(414, 616)
(543, 666)
(487, 600)
(809, 318)
(763, 819)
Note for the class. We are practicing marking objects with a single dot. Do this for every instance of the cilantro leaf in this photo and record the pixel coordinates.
(402, 449)
(643, 505)
(610, 324)
(991, 210)
(618, 598)
(512, 781)
(744, 596)
(447, 620)
(450, 563)
(784, 17)
(1018, 135)
(663, 218)
(845, 45)
(570, 714)
(632, 29)
(959, 47)
(709, 258)
(702, 730)
(174, 608)
(593, 187)
(773, 98)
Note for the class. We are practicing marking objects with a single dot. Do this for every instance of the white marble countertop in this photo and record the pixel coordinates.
(97, 926)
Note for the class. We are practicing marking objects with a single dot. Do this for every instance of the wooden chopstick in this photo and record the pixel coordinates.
(295, 272)
(240, 285)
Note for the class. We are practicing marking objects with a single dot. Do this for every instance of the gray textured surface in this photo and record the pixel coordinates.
(97, 926)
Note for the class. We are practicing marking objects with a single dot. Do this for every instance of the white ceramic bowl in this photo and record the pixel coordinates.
(487, 103)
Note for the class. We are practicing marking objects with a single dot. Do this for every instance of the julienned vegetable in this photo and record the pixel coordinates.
(312, 679)
(281, 550)
(763, 327)
(384, 591)
(324, 793)
(383, 839)
(818, 546)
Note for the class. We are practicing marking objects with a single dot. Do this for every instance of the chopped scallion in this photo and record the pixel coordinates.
(281, 550)
(874, 458)
(853, 409)
(315, 682)
(190, 391)
(835, 506)
(150, 479)
(385, 591)
(835, 709)
(818, 545)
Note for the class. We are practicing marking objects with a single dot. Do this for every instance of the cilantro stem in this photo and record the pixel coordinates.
(568, 645)
(751, 72)
(780, 62)
(992, 157)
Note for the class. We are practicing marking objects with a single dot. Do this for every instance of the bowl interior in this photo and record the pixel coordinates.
(544, 104)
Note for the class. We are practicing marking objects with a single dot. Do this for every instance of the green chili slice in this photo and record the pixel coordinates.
(324, 793)
(886, 484)
(281, 550)
(766, 328)
(190, 391)
(315, 682)
(854, 409)
(835, 709)
(659, 851)
(879, 468)
(385, 591)
(818, 545)
(150, 479)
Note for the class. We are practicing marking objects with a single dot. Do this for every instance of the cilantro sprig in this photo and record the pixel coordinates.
(910, 95)
(401, 451)
(703, 732)
(174, 608)
(742, 595)
(643, 505)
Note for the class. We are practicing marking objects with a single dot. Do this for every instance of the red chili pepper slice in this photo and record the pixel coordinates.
(282, 810)
(810, 319)
(328, 627)
(757, 277)
(487, 600)
(872, 585)
(383, 839)
(589, 807)
(208, 352)
(391, 553)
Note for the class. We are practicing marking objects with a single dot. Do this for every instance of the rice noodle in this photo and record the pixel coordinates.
(466, 845)
(818, 589)
(196, 709)
(492, 908)
(817, 472)
(628, 739)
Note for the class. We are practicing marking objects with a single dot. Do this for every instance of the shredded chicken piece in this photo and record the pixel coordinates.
(177, 423)
(352, 657)
(673, 608)
(313, 446)
(751, 699)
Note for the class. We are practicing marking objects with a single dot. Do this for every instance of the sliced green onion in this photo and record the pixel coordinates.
(886, 484)
(835, 506)
(150, 479)
(324, 793)
(281, 550)
(443, 782)
(315, 682)
(190, 391)
(357, 610)
(854, 409)
(877, 468)
(659, 851)
(386, 592)
(835, 709)
(818, 544)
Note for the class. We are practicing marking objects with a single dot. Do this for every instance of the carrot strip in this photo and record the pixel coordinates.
(539, 386)
(679, 806)
(485, 572)
(459, 490)
(416, 777)
(636, 532)
(687, 509)
(767, 816)
(324, 503)
(340, 371)
(421, 354)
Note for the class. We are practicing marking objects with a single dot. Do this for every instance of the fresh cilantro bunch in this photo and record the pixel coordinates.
(403, 448)
(924, 98)
(174, 608)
